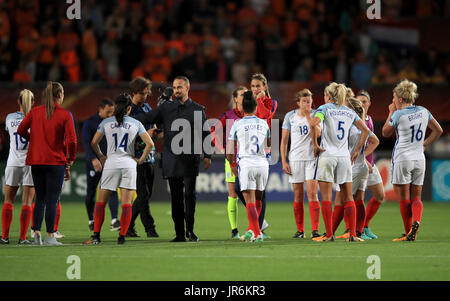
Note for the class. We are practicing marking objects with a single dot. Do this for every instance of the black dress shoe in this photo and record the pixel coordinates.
(132, 233)
(152, 233)
(178, 239)
(191, 236)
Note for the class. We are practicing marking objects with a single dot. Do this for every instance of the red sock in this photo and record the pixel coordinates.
(58, 216)
(125, 219)
(25, 217)
(252, 215)
(371, 209)
(417, 209)
(314, 211)
(327, 214)
(350, 216)
(360, 215)
(258, 206)
(299, 216)
(338, 215)
(7, 216)
(405, 210)
(32, 216)
(99, 216)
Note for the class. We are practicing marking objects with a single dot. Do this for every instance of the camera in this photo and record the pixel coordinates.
(165, 96)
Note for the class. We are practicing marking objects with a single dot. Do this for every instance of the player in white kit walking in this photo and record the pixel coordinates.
(302, 164)
(252, 135)
(17, 173)
(119, 165)
(334, 163)
(410, 123)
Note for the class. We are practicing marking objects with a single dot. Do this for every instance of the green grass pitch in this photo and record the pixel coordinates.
(217, 257)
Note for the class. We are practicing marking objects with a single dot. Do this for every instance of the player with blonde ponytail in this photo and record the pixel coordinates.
(17, 173)
(334, 163)
(410, 124)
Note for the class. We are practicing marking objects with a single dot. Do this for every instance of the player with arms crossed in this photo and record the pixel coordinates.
(252, 135)
(302, 163)
(410, 123)
(17, 173)
(119, 165)
(334, 162)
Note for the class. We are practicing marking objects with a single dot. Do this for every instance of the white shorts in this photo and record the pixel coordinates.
(302, 171)
(374, 177)
(359, 179)
(118, 178)
(15, 176)
(334, 170)
(253, 178)
(408, 172)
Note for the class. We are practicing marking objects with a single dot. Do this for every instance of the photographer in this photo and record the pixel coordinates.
(141, 89)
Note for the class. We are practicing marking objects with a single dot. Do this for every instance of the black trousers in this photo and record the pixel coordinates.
(92, 180)
(237, 189)
(182, 191)
(144, 189)
(48, 180)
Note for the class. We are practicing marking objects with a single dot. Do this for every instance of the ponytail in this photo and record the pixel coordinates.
(337, 92)
(26, 98)
(123, 101)
(356, 105)
(50, 95)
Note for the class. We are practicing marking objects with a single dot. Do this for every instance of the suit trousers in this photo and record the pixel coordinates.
(182, 191)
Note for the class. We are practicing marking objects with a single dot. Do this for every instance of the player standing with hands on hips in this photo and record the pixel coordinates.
(119, 164)
(410, 123)
(52, 150)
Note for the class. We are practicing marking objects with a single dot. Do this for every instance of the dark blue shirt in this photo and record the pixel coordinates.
(135, 110)
(89, 129)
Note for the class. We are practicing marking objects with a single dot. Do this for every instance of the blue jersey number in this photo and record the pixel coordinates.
(254, 139)
(123, 143)
(340, 128)
(304, 130)
(416, 134)
(20, 140)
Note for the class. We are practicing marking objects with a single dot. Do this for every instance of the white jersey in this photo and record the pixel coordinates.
(18, 146)
(336, 128)
(250, 132)
(301, 142)
(411, 125)
(120, 141)
(353, 139)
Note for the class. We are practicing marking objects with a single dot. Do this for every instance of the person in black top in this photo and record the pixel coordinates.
(183, 121)
(94, 167)
(140, 89)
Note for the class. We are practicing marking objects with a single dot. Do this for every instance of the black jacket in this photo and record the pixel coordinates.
(183, 158)
(89, 129)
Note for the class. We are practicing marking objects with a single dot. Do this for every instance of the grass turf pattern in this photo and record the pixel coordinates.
(217, 257)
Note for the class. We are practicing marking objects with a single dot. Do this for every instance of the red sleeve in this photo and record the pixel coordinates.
(214, 136)
(70, 139)
(24, 126)
(266, 109)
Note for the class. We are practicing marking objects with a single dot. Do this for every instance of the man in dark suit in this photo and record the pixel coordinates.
(185, 131)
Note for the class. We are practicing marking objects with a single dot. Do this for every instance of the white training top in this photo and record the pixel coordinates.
(250, 132)
(18, 146)
(301, 142)
(120, 141)
(353, 140)
(410, 125)
(336, 128)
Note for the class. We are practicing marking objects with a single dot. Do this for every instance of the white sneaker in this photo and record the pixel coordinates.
(57, 234)
(51, 241)
(32, 233)
(265, 225)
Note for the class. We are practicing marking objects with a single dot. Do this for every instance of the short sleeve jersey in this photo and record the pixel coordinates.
(301, 142)
(18, 146)
(410, 125)
(353, 140)
(250, 132)
(120, 141)
(337, 121)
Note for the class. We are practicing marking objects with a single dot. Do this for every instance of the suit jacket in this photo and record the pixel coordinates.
(185, 132)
